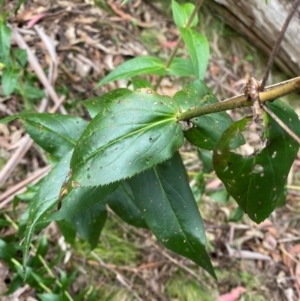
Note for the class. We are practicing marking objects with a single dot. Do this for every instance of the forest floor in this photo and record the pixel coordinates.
(129, 264)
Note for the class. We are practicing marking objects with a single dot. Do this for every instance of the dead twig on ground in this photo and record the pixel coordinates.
(24, 146)
(7, 196)
(26, 140)
(35, 65)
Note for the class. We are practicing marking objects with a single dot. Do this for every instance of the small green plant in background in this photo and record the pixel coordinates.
(39, 274)
(15, 78)
(128, 157)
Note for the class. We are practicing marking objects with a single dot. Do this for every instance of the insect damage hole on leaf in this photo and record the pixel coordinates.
(251, 175)
(253, 134)
(257, 168)
(185, 125)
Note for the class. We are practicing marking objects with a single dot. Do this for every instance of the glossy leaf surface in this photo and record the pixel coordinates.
(133, 134)
(45, 199)
(67, 229)
(198, 50)
(257, 182)
(138, 83)
(207, 129)
(75, 202)
(122, 203)
(80, 199)
(181, 67)
(137, 66)
(97, 104)
(164, 197)
(89, 223)
(55, 133)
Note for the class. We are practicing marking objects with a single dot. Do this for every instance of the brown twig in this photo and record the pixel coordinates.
(240, 101)
(57, 105)
(26, 140)
(24, 146)
(282, 124)
(8, 195)
(277, 44)
(13, 161)
(36, 67)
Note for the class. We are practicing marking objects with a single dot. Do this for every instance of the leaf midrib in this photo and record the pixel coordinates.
(50, 130)
(144, 129)
(167, 198)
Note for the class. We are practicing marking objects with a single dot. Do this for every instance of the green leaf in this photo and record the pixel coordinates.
(42, 246)
(220, 196)
(75, 202)
(68, 231)
(7, 251)
(89, 293)
(198, 186)
(79, 200)
(139, 83)
(182, 13)
(27, 90)
(236, 215)
(9, 80)
(206, 157)
(5, 34)
(136, 66)
(55, 133)
(9, 118)
(122, 203)
(45, 199)
(198, 50)
(257, 182)
(15, 283)
(33, 278)
(49, 297)
(164, 197)
(20, 2)
(133, 134)
(21, 56)
(181, 67)
(67, 279)
(207, 129)
(104, 6)
(90, 223)
(97, 104)
(27, 195)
